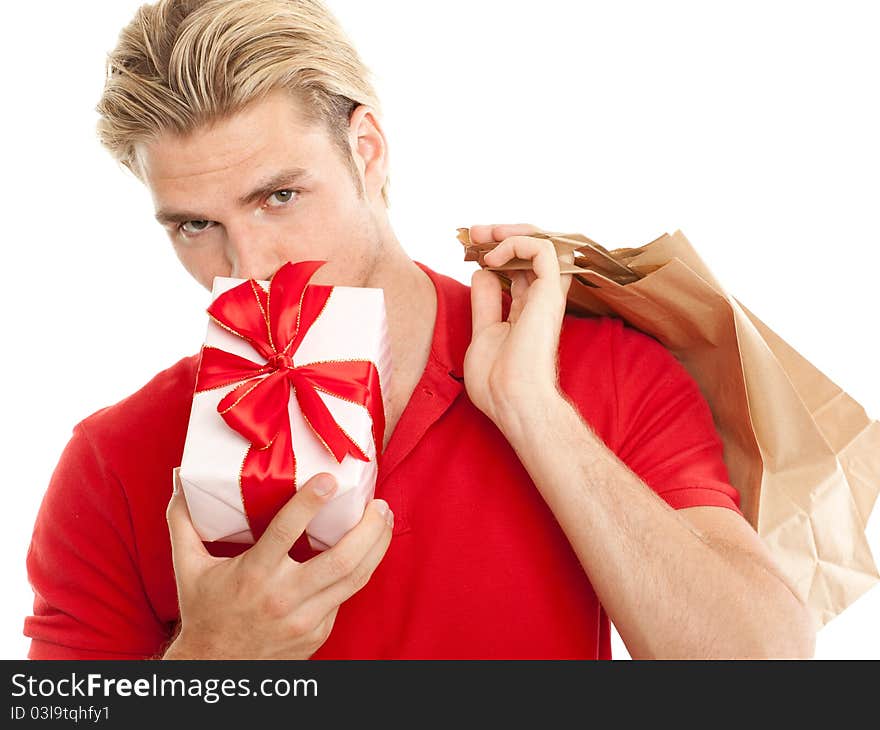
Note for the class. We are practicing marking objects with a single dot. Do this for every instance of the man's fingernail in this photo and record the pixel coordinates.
(385, 511)
(324, 485)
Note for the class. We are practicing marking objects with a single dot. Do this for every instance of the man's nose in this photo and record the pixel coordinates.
(252, 254)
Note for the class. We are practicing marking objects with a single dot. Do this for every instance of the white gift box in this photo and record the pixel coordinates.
(352, 325)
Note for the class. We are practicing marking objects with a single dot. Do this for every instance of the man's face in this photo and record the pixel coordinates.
(249, 193)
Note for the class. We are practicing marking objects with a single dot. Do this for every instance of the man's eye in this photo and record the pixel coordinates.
(283, 197)
(195, 227)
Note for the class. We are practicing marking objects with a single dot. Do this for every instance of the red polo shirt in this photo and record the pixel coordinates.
(477, 567)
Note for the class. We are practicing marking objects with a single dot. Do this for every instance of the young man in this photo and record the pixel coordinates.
(540, 473)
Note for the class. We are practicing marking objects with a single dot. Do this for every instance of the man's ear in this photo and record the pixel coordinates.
(369, 148)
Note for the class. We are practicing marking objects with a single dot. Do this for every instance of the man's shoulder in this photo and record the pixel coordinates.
(605, 363)
(156, 413)
(600, 339)
(590, 340)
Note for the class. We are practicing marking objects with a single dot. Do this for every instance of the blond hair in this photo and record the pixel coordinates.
(183, 64)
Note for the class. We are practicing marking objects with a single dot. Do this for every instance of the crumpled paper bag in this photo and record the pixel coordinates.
(804, 456)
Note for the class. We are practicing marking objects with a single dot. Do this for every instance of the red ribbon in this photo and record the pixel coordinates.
(274, 324)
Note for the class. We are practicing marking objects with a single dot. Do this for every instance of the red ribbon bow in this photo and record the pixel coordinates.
(274, 324)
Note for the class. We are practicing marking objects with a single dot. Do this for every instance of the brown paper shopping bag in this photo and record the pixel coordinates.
(804, 456)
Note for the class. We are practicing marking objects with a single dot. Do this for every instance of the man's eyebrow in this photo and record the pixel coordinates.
(265, 187)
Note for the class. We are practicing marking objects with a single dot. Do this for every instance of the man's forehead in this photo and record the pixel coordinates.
(173, 157)
(249, 139)
(164, 169)
(236, 176)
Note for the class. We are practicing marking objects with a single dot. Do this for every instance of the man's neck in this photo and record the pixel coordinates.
(411, 307)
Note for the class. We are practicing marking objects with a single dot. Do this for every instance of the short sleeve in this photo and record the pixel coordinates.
(89, 599)
(665, 430)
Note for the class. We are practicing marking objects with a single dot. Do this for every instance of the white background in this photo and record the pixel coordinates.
(751, 126)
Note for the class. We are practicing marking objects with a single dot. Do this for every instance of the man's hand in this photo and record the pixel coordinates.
(507, 361)
(262, 604)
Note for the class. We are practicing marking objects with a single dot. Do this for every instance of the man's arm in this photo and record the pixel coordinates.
(90, 601)
(89, 596)
(694, 583)
(697, 584)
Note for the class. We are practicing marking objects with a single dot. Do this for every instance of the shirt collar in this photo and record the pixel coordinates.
(443, 378)
(452, 326)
